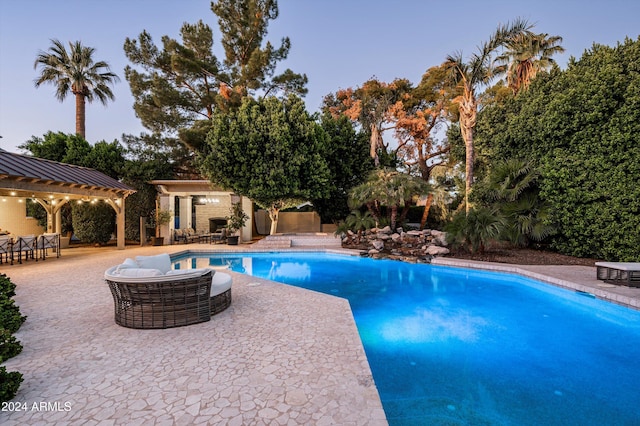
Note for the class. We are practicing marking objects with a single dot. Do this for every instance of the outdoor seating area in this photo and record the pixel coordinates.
(621, 273)
(148, 294)
(190, 235)
(27, 247)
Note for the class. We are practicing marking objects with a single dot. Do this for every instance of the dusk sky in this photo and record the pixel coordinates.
(337, 43)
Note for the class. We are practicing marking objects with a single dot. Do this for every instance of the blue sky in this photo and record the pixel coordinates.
(337, 43)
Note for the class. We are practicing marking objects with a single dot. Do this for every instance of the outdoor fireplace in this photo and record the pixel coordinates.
(215, 223)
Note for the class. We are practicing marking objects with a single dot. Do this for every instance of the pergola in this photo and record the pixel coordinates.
(53, 184)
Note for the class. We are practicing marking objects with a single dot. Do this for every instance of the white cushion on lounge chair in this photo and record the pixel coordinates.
(220, 283)
(161, 262)
(139, 272)
(127, 264)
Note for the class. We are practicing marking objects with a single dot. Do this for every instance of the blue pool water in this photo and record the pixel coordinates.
(451, 346)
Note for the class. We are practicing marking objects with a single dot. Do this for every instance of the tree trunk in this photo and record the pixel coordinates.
(425, 212)
(374, 143)
(80, 115)
(468, 115)
(273, 215)
(394, 217)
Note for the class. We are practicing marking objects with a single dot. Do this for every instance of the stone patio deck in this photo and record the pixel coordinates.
(279, 355)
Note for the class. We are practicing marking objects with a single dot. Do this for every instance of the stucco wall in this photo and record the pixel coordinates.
(289, 222)
(13, 218)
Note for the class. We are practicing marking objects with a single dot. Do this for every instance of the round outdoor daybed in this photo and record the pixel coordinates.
(146, 298)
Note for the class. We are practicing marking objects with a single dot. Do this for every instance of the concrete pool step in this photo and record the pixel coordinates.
(317, 239)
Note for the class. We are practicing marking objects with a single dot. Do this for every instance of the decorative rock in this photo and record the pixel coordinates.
(385, 230)
(440, 237)
(395, 237)
(436, 250)
(415, 233)
(378, 245)
(373, 251)
(384, 237)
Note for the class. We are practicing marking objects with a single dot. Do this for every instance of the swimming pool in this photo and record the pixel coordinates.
(458, 346)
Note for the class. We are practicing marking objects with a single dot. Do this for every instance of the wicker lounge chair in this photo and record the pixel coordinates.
(148, 294)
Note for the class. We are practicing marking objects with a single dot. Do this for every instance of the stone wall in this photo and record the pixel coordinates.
(419, 245)
(204, 212)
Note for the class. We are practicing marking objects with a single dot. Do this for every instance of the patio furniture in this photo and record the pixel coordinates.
(625, 273)
(24, 244)
(220, 236)
(5, 249)
(185, 236)
(46, 242)
(147, 293)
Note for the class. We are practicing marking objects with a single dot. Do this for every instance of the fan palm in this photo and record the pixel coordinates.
(387, 188)
(525, 56)
(470, 75)
(512, 187)
(75, 71)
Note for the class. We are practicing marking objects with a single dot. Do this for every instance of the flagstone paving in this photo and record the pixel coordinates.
(280, 355)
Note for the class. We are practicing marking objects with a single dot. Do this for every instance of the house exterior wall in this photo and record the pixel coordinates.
(13, 218)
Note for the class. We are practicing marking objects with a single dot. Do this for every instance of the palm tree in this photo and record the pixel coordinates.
(525, 56)
(470, 75)
(387, 188)
(76, 72)
(512, 188)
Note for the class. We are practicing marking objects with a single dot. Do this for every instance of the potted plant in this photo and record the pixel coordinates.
(235, 222)
(161, 217)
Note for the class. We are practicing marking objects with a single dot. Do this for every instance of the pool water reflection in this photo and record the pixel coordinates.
(458, 346)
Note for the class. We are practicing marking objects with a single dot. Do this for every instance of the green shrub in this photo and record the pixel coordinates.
(7, 288)
(10, 322)
(93, 223)
(9, 384)
(10, 317)
(9, 346)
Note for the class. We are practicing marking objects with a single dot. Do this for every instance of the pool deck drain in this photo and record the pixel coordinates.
(279, 355)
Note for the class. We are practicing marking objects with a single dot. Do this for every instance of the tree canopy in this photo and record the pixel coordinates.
(269, 150)
(177, 87)
(582, 126)
(76, 72)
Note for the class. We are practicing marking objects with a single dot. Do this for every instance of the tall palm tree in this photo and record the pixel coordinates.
(76, 72)
(525, 56)
(470, 75)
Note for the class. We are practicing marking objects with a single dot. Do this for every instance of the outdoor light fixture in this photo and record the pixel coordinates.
(209, 200)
